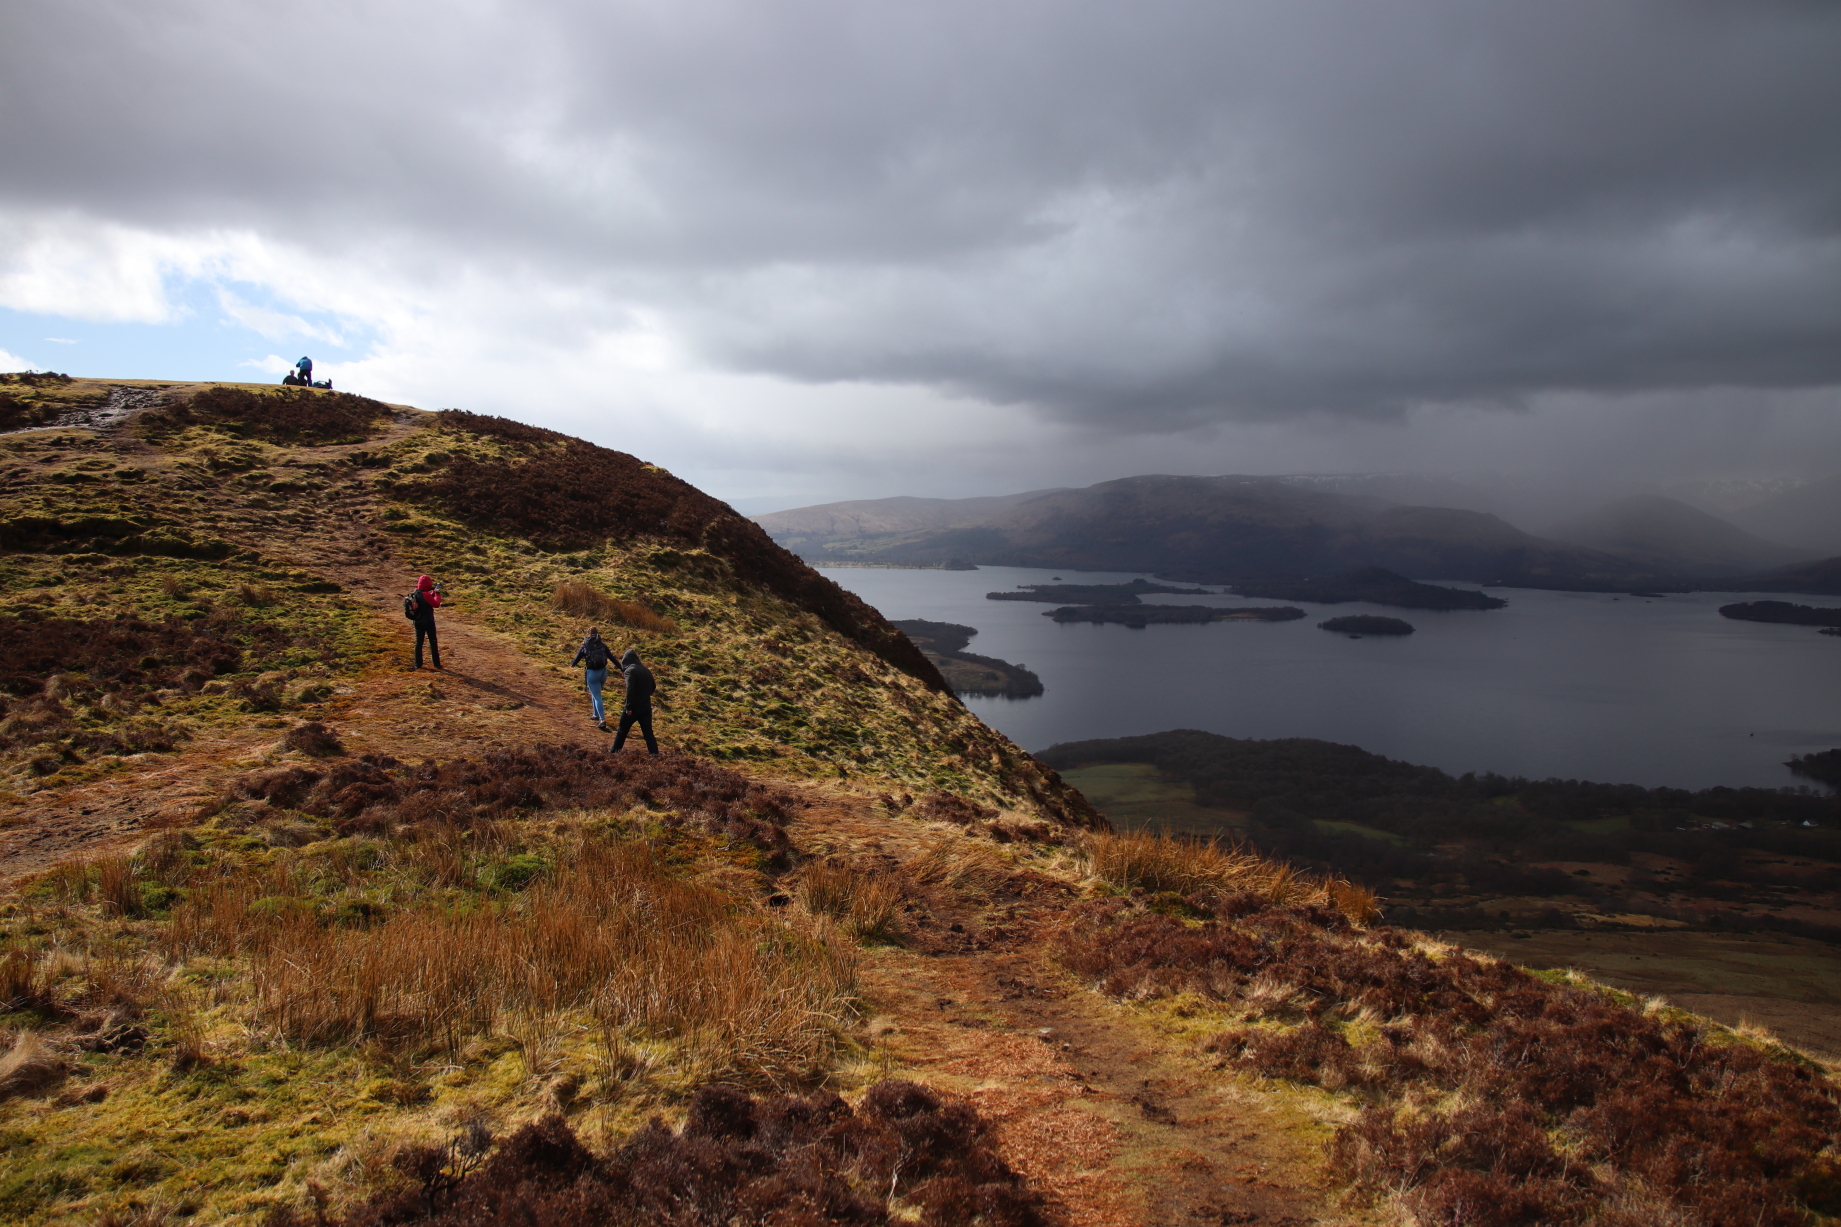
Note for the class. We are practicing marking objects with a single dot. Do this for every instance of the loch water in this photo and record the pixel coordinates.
(1607, 687)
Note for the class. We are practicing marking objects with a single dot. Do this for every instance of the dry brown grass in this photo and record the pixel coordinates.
(587, 601)
(121, 894)
(30, 1068)
(962, 864)
(864, 904)
(255, 595)
(610, 935)
(1160, 863)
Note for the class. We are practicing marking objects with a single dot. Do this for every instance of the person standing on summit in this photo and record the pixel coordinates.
(593, 656)
(420, 605)
(305, 368)
(638, 706)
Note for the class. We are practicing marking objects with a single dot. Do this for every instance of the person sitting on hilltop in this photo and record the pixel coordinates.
(593, 656)
(290, 380)
(305, 367)
(420, 605)
(639, 689)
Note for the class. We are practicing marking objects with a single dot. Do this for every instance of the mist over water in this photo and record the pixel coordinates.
(1567, 684)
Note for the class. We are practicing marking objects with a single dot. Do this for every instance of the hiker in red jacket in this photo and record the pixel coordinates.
(422, 603)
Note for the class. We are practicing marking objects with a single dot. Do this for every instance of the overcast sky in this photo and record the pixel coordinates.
(816, 249)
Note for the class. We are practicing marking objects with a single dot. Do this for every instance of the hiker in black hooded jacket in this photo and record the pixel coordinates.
(638, 706)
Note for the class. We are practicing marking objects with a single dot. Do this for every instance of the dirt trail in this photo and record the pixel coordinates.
(490, 695)
(1120, 1127)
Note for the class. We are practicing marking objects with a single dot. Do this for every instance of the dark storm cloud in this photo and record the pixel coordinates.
(1145, 216)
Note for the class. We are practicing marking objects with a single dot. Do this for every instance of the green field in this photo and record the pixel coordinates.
(1135, 796)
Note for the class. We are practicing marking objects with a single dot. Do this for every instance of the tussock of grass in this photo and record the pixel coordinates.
(1488, 1097)
(866, 904)
(961, 864)
(1160, 864)
(587, 601)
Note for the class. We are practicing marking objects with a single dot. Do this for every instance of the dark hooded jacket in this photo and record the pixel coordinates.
(639, 683)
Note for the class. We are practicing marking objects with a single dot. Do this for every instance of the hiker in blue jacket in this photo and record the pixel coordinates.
(305, 367)
(639, 688)
(593, 656)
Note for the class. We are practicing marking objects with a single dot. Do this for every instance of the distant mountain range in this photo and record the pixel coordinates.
(1235, 528)
(881, 517)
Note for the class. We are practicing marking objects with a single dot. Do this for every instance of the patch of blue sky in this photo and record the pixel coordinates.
(233, 331)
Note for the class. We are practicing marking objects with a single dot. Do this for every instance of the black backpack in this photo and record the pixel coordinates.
(409, 606)
(595, 654)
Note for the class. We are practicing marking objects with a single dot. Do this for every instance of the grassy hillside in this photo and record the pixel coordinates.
(293, 933)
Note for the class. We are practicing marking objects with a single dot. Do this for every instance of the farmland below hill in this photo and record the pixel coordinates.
(1729, 858)
(1755, 870)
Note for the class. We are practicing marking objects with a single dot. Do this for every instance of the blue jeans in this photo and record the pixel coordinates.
(596, 678)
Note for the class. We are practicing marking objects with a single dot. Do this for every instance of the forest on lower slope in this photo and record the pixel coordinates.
(1418, 833)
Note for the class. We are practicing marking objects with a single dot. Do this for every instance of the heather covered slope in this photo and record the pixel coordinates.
(293, 931)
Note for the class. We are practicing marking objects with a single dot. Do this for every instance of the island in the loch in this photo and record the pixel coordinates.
(1092, 594)
(1824, 765)
(1357, 625)
(1140, 616)
(1376, 585)
(1782, 611)
(968, 673)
